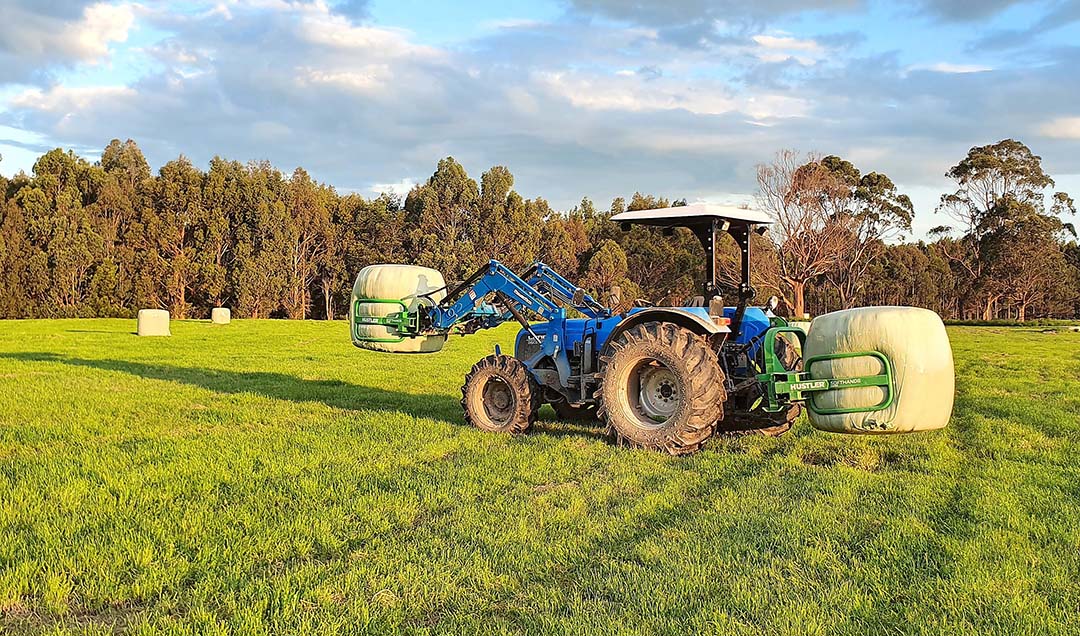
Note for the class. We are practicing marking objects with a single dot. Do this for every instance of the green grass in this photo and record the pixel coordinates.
(267, 478)
(1003, 322)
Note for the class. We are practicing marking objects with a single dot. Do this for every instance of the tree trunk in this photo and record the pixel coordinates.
(179, 310)
(327, 299)
(798, 297)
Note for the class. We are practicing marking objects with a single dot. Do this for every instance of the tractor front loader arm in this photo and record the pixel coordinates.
(465, 310)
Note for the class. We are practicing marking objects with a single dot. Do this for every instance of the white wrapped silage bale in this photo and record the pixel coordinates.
(916, 344)
(220, 315)
(153, 322)
(393, 282)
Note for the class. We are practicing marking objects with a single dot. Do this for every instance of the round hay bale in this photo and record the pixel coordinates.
(916, 344)
(220, 315)
(153, 322)
(393, 282)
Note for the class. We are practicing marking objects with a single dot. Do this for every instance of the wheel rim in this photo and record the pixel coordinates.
(654, 394)
(498, 400)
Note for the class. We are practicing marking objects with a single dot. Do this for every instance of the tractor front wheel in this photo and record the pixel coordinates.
(500, 395)
(662, 388)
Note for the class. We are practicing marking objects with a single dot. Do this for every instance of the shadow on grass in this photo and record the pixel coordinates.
(333, 393)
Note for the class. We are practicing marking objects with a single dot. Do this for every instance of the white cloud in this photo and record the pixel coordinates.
(781, 48)
(101, 25)
(321, 27)
(63, 99)
(399, 188)
(948, 67)
(866, 155)
(767, 106)
(628, 93)
(513, 23)
(1061, 128)
(361, 80)
(786, 43)
(37, 38)
(606, 93)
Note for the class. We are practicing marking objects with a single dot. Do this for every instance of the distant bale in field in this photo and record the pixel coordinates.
(153, 322)
(220, 315)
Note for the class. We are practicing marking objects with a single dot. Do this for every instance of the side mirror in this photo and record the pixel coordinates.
(772, 303)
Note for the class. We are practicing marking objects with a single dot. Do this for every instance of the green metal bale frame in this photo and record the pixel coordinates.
(784, 387)
(399, 321)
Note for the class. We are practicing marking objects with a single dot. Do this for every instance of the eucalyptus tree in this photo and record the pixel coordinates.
(307, 238)
(997, 185)
(870, 212)
(441, 213)
(803, 195)
(169, 235)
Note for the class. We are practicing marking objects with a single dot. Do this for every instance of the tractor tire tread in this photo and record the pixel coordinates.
(704, 386)
(516, 375)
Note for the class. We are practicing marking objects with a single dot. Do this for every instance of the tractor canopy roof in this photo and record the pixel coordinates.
(690, 215)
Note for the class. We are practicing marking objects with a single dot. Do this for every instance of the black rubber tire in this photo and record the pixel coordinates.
(500, 395)
(698, 378)
(767, 424)
(570, 413)
(759, 422)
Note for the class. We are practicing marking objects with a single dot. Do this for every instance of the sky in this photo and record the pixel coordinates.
(597, 98)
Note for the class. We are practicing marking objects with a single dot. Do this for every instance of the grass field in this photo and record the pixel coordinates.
(268, 478)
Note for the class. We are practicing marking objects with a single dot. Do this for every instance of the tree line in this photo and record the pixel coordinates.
(107, 238)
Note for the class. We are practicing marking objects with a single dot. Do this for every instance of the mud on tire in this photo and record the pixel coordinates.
(500, 395)
(662, 388)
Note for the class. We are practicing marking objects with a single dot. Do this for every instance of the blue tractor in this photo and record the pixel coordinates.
(666, 378)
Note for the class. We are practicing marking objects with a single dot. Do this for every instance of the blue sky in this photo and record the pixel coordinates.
(597, 98)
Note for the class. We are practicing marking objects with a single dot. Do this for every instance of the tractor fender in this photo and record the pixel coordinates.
(684, 319)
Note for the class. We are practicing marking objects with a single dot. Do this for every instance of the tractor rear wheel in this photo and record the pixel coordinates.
(662, 388)
(500, 395)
